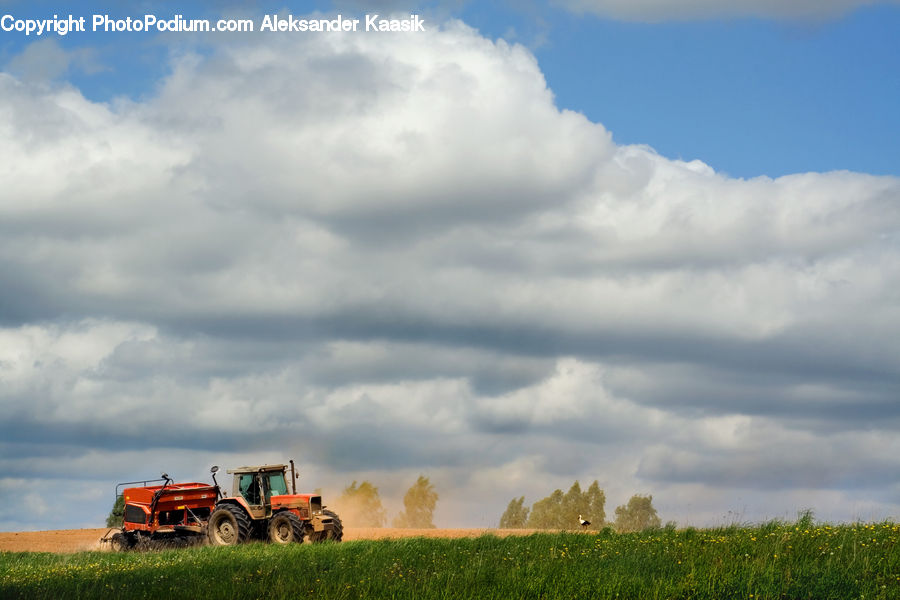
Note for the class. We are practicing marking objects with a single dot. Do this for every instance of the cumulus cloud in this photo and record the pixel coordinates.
(395, 255)
(665, 10)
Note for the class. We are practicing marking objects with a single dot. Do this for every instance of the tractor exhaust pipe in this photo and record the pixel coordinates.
(293, 478)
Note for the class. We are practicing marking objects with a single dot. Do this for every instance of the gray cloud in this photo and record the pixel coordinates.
(772, 457)
(397, 255)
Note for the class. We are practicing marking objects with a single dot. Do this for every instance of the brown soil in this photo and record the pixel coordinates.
(63, 540)
(79, 540)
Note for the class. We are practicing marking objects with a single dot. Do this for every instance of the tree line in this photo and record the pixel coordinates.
(566, 510)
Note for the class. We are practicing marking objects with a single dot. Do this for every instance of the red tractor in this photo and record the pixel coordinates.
(260, 507)
(167, 515)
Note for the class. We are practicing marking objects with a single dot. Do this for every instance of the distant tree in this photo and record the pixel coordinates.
(576, 503)
(637, 515)
(546, 513)
(596, 502)
(560, 511)
(418, 503)
(516, 515)
(117, 514)
(360, 505)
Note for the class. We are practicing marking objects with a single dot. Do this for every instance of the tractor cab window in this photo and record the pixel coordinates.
(277, 486)
(249, 487)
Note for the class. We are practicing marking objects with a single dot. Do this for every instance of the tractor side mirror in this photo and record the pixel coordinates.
(214, 470)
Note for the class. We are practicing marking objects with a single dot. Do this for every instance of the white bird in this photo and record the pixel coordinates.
(583, 522)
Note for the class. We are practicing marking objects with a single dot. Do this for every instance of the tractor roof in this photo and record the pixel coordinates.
(258, 468)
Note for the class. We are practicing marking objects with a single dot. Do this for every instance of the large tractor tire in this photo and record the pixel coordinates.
(228, 526)
(335, 534)
(285, 528)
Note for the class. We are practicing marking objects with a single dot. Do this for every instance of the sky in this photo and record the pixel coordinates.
(653, 244)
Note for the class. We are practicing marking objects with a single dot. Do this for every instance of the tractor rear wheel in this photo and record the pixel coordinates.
(335, 534)
(285, 528)
(228, 525)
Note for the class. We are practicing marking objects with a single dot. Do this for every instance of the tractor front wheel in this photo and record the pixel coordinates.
(228, 525)
(285, 528)
(335, 534)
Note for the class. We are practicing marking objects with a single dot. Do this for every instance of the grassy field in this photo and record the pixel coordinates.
(769, 561)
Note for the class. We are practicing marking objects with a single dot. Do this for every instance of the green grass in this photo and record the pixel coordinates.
(768, 561)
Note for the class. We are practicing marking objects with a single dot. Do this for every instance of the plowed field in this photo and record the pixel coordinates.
(78, 540)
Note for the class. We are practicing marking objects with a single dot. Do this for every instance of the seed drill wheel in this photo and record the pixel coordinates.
(228, 525)
(285, 528)
(119, 543)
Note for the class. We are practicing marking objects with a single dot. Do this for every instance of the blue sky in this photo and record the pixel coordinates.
(539, 242)
(749, 96)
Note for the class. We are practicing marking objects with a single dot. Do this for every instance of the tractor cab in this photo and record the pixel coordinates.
(257, 485)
